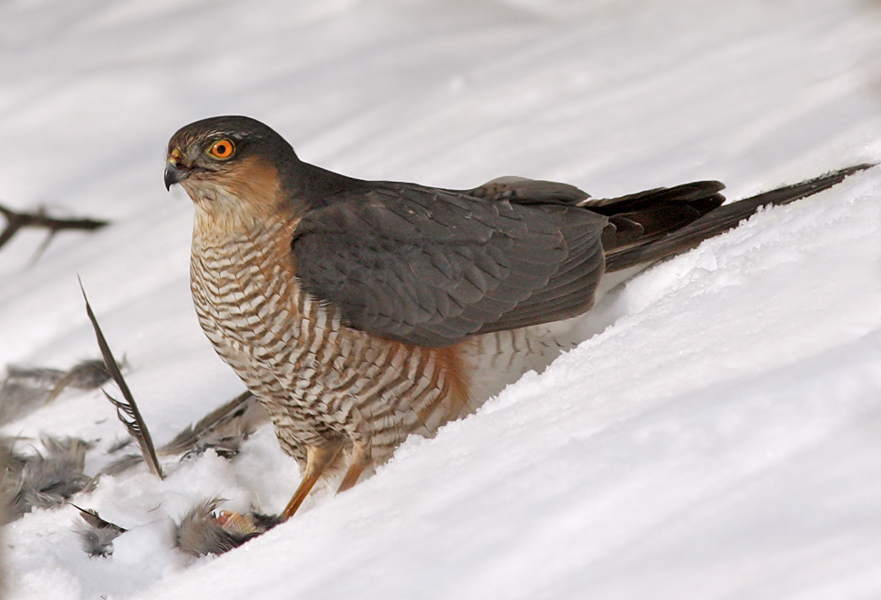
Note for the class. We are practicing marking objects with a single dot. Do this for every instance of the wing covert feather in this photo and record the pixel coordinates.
(433, 267)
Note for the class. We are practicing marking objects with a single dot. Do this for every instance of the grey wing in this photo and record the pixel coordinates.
(527, 191)
(432, 267)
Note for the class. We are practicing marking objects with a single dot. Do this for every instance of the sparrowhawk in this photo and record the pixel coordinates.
(360, 312)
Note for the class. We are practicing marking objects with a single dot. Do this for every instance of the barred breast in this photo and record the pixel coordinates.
(322, 382)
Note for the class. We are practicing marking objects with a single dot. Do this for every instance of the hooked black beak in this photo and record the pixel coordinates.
(175, 171)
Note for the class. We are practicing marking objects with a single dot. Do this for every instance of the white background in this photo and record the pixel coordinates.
(721, 439)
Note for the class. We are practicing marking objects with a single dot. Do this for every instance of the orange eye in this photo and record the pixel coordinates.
(222, 149)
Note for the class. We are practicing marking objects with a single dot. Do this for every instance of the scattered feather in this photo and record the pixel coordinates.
(199, 533)
(48, 481)
(222, 430)
(97, 536)
(250, 525)
(9, 466)
(122, 464)
(26, 389)
(127, 409)
(203, 532)
(18, 399)
(43, 377)
(131, 418)
(5, 498)
(86, 375)
(120, 444)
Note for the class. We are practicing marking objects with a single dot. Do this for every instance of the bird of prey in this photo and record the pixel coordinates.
(360, 312)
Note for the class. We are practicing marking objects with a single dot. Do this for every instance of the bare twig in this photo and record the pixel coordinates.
(126, 410)
(17, 220)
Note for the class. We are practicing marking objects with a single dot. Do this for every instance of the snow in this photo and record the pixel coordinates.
(718, 439)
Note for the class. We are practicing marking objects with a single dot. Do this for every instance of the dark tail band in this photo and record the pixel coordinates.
(721, 219)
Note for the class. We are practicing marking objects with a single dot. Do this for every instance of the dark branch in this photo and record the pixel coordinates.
(16, 220)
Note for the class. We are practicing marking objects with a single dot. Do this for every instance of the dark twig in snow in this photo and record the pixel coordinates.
(16, 220)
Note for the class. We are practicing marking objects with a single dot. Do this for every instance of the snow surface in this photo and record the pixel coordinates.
(720, 439)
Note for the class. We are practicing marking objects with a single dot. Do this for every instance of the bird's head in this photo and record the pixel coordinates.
(226, 162)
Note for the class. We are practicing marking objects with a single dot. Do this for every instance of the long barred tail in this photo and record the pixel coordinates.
(720, 219)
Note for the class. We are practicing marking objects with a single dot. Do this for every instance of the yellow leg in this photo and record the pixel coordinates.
(317, 460)
(360, 460)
